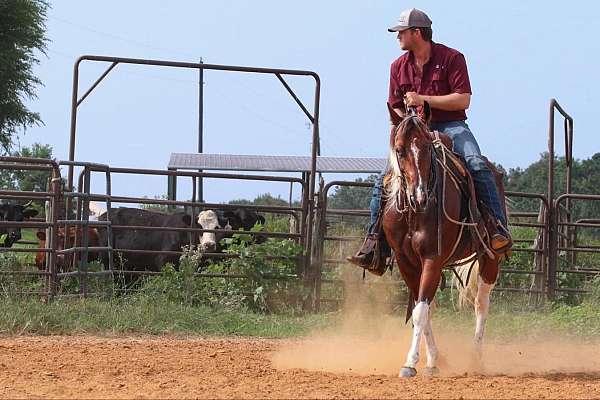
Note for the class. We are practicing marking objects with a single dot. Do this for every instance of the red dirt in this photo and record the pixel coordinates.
(174, 367)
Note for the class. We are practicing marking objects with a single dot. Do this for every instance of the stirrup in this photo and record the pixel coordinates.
(502, 235)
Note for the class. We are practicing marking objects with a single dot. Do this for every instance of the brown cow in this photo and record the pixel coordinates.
(64, 261)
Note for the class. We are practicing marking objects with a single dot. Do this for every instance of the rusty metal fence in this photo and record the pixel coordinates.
(334, 236)
(547, 256)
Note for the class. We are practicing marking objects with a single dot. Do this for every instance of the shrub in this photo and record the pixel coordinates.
(271, 268)
(253, 280)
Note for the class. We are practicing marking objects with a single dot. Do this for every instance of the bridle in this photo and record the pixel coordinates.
(432, 181)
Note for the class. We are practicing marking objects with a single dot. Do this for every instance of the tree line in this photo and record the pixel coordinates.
(585, 179)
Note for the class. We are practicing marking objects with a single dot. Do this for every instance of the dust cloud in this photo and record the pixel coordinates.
(368, 340)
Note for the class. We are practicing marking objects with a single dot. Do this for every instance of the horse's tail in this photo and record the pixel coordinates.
(468, 292)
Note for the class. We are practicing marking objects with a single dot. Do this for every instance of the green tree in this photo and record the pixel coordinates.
(585, 175)
(352, 197)
(265, 199)
(33, 180)
(22, 35)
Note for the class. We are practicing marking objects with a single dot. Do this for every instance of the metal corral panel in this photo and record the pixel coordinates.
(234, 162)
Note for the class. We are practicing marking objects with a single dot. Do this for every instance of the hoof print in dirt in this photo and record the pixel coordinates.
(433, 371)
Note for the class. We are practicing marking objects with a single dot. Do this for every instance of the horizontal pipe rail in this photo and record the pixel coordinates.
(193, 174)
(142, 200)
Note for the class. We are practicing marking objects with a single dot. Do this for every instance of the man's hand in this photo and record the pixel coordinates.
(413, 99)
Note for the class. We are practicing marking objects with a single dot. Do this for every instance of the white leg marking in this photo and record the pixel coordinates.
(420, 316)
(430, 346)
(482, 307)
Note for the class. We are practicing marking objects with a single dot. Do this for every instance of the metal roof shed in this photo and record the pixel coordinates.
(236, 162)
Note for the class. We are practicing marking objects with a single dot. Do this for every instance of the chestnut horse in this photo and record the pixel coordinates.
(425, 224)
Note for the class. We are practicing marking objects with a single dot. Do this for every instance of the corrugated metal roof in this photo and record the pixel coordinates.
(233, 162)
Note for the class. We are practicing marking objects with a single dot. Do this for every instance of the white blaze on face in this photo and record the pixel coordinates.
(208, 220)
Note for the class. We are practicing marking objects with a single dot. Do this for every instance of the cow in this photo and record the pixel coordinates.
(230, 219)
(17, 213)
(155, 240)
(64, 261)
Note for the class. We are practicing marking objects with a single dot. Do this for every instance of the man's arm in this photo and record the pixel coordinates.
(448, 102)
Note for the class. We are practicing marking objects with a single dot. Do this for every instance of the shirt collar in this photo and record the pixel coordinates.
(432, 56)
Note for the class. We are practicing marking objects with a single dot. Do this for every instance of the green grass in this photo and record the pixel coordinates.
(142, 316)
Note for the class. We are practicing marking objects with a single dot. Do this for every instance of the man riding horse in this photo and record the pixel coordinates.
(433, 73)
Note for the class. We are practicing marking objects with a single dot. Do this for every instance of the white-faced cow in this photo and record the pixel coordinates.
(230, 219)
(16, 213)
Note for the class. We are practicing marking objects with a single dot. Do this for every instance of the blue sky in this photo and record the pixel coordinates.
(519, 54)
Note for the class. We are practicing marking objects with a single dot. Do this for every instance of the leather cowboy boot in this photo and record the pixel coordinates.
(501, 240)
(364, 257)
(374, 251)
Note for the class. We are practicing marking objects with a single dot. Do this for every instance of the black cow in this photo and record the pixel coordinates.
(231, 219)
(145, 239)
(17, 213)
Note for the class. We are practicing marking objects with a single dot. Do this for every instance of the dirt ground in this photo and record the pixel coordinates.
(178, 367)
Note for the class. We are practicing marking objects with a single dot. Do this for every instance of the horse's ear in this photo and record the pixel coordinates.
(395, 119)
(426, 113)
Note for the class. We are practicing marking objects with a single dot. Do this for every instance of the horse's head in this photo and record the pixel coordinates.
(411, 158)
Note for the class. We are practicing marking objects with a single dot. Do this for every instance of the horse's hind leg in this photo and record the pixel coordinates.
(488, 274)
(430, 346)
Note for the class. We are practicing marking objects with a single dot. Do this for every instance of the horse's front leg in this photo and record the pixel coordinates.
(430, 278)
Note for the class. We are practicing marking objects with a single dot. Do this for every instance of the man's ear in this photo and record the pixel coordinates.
(395, 119)
(426, 113)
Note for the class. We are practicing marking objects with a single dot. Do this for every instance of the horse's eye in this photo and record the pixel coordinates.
(400, 152)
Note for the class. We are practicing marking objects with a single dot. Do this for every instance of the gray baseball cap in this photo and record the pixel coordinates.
(412, 18)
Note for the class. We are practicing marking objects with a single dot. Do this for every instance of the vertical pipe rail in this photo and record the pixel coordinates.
(85, 217)
(53, 237)
(200, 126)
(553, 208)
(313, 175)
(109, 231)
(552, 234)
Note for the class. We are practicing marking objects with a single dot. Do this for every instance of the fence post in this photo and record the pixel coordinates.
(56, 186)
(552, 250)
(320, 227)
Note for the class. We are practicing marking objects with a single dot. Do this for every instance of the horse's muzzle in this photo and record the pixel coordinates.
(418, 202)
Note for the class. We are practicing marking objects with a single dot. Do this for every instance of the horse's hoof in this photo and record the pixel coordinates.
(407, 372)
(431, 371)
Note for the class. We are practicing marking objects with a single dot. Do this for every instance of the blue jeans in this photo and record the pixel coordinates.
(463, 143)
